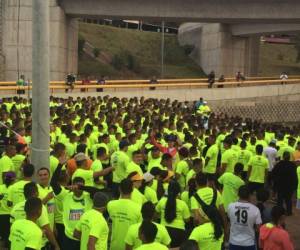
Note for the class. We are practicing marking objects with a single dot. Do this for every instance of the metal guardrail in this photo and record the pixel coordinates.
(61, 85)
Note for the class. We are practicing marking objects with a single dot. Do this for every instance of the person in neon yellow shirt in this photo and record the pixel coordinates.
(16, 191)
(9, 179)
(207, 236)
(211, 158)
(88, 175)
(92, 229)
(154, 158)
(258, 170)
(229, 157)
(182, 167)
(245, 155)
(134, 165)
(19, 159)
(58, 151)
(231, 183)
(174, 213)
(132, 239)
(102, 156)
(6, 163)
(18, 213)
(25, 234)
(147, 234)
(123, 213)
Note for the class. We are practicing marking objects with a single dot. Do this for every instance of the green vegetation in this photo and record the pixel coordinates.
(275, 58)
(133, 54)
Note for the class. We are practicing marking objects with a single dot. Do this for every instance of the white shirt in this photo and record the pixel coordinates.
(271, 154)
(243, 217)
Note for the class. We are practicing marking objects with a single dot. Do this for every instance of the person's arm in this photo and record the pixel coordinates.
(91, 190)
(225, 222)
(92, 243)
(77, 234)
(103, 172)
(50, 236)
(54, 180)
(48, 197)
(249, 172)
(158, 145)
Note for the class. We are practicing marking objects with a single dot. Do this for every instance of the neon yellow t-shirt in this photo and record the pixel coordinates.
(206, 194)
(154, 163)
(204, 235)
(133, 167)
(53, 164)
(123, 213)
(150, 195)
(230, 158)
(97, 166)
(231, 184)
(119, 160)
(87, 175)
(17, 161)
(92, 223)
(212, 154)
(182, 168)
(16, 192)
(182, 213)
(283, 149)
(132, 236)
(138, 197)
(244, 158)
(6, 165)
(259, 165)
(25, 234)
(50, 205)
(152, 246)
(73, 209)
(4, 209)
(58, 209)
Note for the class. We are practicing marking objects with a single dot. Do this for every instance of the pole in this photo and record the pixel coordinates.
(40, 81)
(162, 48)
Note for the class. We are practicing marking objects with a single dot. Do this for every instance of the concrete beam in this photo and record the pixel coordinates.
(260, 29)
(216, 11)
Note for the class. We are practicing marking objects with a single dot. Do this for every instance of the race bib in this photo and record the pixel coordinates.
(75, 214)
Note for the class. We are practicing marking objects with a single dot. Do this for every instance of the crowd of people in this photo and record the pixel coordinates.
(146, 174)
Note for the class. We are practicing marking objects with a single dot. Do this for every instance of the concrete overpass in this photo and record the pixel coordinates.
(224, 43)
(215, 11)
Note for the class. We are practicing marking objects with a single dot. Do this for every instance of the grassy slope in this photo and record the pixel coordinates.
(275, 58)
(144, 46)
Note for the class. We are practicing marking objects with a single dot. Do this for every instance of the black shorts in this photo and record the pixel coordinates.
(178, 236)
(255, 186)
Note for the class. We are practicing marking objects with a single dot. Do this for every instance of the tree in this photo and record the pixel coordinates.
(96, 52)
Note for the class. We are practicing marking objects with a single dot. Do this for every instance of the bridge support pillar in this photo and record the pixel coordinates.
(16, 23)
(217, 49)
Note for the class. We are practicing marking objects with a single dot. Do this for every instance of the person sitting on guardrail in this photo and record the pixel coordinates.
(211, 79)
(153, 80)
(21, 83)
(70, 81)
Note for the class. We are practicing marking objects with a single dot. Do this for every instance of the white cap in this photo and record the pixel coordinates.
(148, 177)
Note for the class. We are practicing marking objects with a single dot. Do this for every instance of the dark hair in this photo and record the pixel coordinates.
(238, 168)
(78, 180)
(201, 179)
(148, 211)
(28, 170)
(81, 148)
(30, 189)
(276, 213)
(184, 152)
(126, 186)
(170, 210)
(148, 230)
(20, 147)
(101, 151)
(189, 245)
(43, 168)
(244, 192)
(59, 147)
(166, 157)
(259, 149)
(286, 155)
(32, 206)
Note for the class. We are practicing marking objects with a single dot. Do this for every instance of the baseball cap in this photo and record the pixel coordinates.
(136, 177)
(148, 177)
(80, 157)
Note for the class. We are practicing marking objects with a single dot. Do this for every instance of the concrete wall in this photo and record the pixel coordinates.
(217, 49)
(18, 55)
